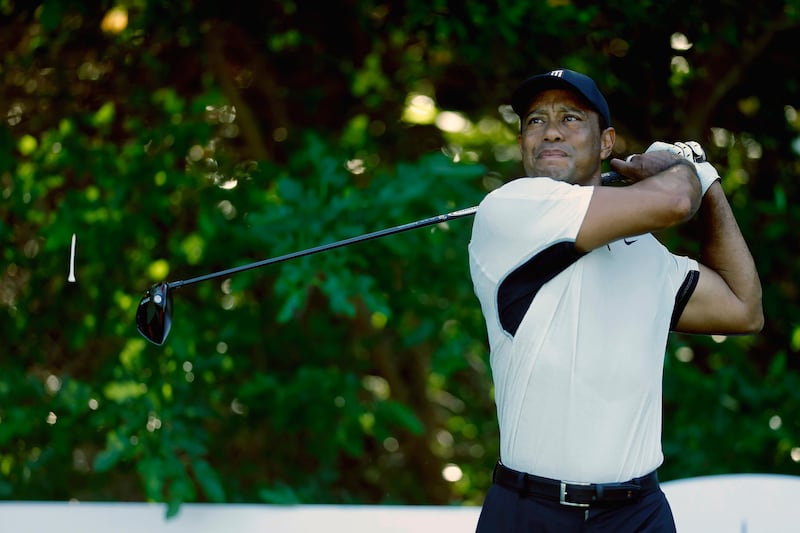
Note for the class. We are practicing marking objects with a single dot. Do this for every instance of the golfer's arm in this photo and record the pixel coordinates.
(655, 203)
(727, 299)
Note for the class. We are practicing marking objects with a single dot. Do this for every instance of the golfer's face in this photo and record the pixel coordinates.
(560, 138)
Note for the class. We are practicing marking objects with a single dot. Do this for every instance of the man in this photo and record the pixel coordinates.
(579, 298)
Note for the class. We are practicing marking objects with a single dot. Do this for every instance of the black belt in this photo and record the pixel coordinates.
(574, 494)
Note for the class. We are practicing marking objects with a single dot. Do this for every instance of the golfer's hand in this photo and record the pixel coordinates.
(705, 171)
(691, 151)
(642, 166)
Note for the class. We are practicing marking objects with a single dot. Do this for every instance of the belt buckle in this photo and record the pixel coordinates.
(562, 495)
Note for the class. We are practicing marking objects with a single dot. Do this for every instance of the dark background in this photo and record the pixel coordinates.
(184, 137)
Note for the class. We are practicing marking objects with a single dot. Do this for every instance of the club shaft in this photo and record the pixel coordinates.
(607, 177)
(438, 219)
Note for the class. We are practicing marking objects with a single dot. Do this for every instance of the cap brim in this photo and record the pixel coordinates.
(528, 89)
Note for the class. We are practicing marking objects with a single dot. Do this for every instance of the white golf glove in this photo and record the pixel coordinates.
(691, 151)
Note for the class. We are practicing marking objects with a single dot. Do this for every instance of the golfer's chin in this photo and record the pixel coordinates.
(554, 170)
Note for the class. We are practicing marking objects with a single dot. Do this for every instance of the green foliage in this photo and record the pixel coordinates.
(176, 139)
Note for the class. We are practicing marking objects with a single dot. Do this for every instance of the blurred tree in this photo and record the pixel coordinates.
(184, 137)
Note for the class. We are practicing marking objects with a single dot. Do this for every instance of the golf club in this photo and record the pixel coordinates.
(154, 314)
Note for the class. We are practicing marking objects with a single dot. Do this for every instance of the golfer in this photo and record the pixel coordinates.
(579, 297)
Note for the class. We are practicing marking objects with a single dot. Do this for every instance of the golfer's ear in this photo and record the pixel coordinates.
(607, 139)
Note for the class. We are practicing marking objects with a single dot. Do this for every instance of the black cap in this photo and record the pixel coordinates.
(563, 79)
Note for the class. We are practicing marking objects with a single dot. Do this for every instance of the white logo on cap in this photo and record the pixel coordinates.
(557, 73)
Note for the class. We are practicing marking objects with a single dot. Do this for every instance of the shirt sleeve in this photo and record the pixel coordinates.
(525, 216)
(688, 274)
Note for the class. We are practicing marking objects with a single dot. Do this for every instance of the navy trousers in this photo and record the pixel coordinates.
(505, 511)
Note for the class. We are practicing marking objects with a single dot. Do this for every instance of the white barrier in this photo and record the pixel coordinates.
(751, 503)
(735, 503)
(32, 517)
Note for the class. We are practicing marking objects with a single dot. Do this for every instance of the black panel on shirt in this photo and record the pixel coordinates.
(684, 293)
(517, 290)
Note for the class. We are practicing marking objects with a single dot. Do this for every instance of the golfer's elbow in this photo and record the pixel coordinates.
(755, 318)
(750, 316)
(758, 325)
(754, 305)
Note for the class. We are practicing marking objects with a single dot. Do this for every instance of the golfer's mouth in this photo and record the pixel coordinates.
(545, 155)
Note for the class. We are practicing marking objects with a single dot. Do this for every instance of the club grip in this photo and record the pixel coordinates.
(613, 179)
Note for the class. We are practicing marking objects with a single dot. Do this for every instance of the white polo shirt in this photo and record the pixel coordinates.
(577, 341)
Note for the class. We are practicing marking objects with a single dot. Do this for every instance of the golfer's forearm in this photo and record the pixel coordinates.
(726, 252)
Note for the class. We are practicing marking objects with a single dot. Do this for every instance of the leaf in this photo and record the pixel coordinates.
(390, 411)
(279, 494)
(50, 15)
(6, 489)
(180, 490)
(151, 471)
(110, 456)
(209, 481)
(104, 115)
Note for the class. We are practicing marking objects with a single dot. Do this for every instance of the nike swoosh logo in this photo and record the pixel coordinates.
(629, 242)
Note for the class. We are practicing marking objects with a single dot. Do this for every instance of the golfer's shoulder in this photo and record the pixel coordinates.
(535, 190)
(526, 201)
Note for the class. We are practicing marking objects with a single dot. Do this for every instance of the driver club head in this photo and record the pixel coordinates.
(154, 315)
